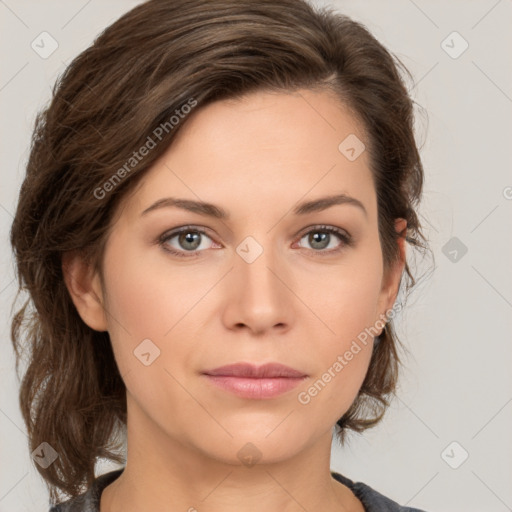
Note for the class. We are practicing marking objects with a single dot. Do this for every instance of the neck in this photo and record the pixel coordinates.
(166, 473)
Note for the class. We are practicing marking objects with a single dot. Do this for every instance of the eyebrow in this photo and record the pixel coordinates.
(211, 210)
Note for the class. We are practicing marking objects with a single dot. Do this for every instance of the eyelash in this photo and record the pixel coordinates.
(344, 237)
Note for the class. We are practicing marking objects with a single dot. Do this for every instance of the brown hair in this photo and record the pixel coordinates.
(137, 74)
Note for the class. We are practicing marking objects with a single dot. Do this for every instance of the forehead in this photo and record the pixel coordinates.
(266, 148)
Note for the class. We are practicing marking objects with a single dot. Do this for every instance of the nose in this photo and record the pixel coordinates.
(258, 294)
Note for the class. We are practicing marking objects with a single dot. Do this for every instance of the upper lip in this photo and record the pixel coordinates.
(269, 370)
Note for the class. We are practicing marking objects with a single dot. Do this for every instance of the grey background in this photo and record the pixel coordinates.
(457, 323)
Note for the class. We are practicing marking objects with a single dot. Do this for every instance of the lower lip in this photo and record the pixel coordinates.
(256, 389)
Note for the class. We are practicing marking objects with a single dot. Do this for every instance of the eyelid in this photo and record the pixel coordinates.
(323, 227)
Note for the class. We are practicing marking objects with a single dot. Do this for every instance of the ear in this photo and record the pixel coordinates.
(391, 279)
(84, 286)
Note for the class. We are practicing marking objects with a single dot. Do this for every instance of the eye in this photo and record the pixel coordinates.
(189, 239)
(320, 238)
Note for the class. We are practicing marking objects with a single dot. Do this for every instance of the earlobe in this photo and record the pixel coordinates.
(84, 287)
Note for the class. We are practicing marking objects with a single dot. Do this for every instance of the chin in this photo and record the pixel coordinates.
(254, 447)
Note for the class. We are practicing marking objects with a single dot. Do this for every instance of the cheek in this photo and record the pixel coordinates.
(349, 309)
(150, 299)
(342, 367)
(138, 306)
(346, 298)
(145, 305)
(147, 299)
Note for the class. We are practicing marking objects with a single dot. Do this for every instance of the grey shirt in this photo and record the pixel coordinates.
(372, 500)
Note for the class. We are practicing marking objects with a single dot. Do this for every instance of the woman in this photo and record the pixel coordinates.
(212, 232)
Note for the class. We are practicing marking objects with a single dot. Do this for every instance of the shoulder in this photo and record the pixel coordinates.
(372, 500)
(90, 500)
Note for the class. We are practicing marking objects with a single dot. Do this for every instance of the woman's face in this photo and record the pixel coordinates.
(265, 283)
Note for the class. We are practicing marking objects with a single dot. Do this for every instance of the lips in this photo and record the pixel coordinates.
(247, 370)
(255, 382)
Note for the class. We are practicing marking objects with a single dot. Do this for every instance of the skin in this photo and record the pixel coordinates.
(256, 158)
